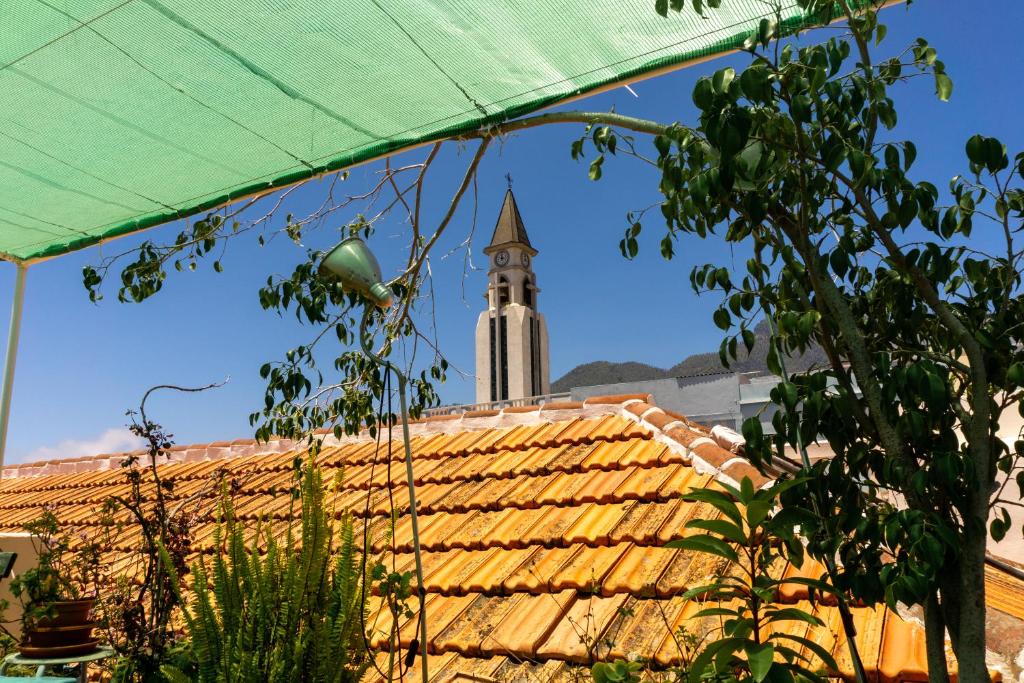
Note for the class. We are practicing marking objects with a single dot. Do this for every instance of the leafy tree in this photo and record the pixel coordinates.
(796, 160)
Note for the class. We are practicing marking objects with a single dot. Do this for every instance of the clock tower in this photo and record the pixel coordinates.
(511, 336)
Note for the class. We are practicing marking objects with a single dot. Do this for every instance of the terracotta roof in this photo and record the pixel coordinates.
(541, 530)
(510, 228)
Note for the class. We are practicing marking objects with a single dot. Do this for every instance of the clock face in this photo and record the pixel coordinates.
(501, 258)
(525, 258)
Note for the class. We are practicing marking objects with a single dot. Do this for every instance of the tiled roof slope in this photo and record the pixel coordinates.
(542, 533)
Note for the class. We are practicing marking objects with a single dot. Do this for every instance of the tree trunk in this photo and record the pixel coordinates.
(971, 655)
(935, 640)
(949, 590)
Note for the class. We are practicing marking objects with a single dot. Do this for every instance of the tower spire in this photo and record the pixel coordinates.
(510, 229)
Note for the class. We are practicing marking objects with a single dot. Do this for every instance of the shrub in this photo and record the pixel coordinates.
(272, 611)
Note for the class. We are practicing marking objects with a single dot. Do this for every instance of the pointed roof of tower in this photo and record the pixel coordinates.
(510, 229)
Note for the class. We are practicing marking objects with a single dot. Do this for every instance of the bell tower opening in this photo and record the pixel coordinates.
(511, 336)
(503, 292)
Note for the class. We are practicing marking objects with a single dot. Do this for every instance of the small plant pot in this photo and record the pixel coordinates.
(69, 613)
(58, 636)
(70, 628)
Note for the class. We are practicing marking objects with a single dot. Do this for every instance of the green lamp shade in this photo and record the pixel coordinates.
(353, 264)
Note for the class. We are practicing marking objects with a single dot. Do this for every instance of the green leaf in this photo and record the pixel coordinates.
(976, 150)
(603, 672)
(722, 79)
(701, 592)
(995, 155)
(722, 527)
(818, 78)
(661, 7)
(722, 319)
(703, 95)
(173, 674)
(936, 392)
(749, 339)
(722, 502)
(1015, 374)
(788, 393)
(705, 544)
(757, 511)
(943, 86)
(754, 82)
(714, 612)
(772, 359)
(1000, 525)
(880, 32)
(794, 614)
(700, 665)
(892, 157)
(759, 658)
(909, 155)
(824, 655)
(746, 491)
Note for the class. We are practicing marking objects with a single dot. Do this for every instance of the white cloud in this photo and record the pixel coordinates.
(113, 440)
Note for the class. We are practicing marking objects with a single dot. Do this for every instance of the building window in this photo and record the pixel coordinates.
(502, 292)
(494, 365)
(528, 293)
(503, 339)
(535, 357)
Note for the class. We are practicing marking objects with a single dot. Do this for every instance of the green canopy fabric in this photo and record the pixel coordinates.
(119, 115)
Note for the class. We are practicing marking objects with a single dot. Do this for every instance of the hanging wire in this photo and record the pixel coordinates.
(408, 661)
(402, 386)
(366, 532)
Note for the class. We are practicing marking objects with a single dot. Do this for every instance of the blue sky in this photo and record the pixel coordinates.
(81, 366)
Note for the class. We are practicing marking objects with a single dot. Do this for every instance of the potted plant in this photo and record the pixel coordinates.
(57, 596)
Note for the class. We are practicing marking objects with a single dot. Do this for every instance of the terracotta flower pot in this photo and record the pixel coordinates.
(59, 636)
(69, 613)
(70, 628)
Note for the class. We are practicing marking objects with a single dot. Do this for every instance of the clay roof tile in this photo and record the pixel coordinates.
(530, 521)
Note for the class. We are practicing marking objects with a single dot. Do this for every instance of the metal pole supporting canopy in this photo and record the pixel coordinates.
(12, 356)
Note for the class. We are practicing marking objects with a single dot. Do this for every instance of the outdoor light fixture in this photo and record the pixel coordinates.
(353, 265)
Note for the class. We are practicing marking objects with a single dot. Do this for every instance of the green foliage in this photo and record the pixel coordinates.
(795, 161)
(752, 536)
(616, 672)
(144, 277)
(68, 566)
(288, 609)
(139, 616)
(295, 401)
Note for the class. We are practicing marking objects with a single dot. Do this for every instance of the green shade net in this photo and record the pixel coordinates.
(119, 115)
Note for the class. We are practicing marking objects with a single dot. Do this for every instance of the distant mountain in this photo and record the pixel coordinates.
(604, 372)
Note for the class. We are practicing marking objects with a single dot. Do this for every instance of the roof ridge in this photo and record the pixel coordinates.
(218, 450)
(717, 451)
